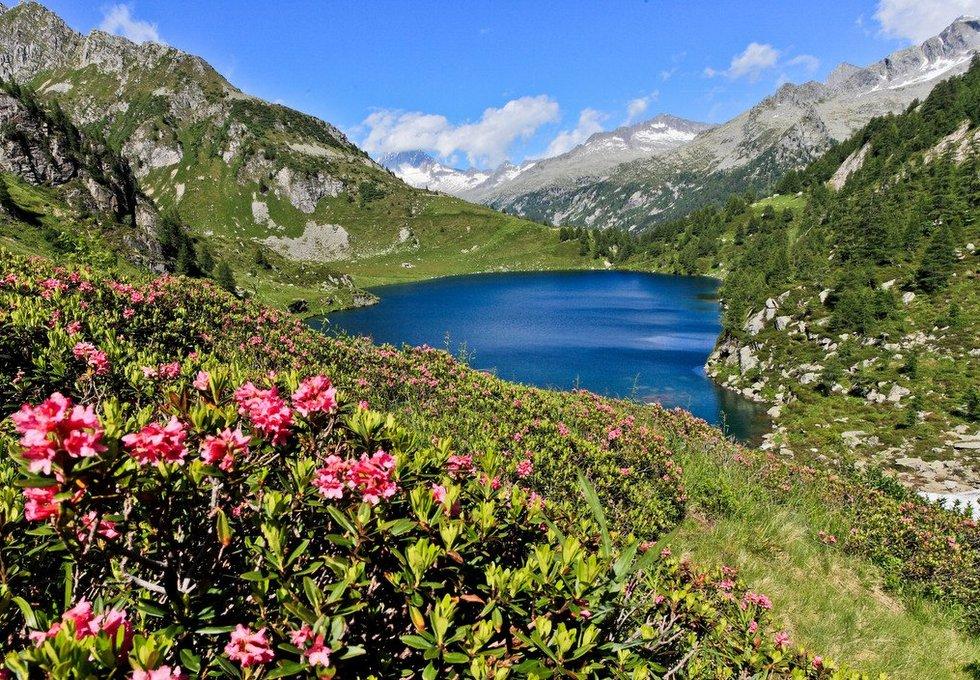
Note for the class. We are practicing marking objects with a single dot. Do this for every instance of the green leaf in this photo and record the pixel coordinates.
(416, 641)
(592, 499)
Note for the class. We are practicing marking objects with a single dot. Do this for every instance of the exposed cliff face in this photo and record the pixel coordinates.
(47, 150)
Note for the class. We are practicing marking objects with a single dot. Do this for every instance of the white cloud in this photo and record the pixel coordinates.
(917, 20)
(637, 107)
(118, 19)
(667, 74)
(750, 63)
(589, 123)
(809, 62)
(483, 142)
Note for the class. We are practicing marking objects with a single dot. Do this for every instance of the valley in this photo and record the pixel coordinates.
(672, 399)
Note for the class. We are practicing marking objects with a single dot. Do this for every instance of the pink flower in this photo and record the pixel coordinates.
(81, 616)
(781, 639)
(161, 673)
(74, 327)
(318, 654)
(221, 450)
(438, 493)
(56, 426)
(459, 465)
(525, 468)
(315, 395)
(111, 623)
(363, 405)
(563, 429)
(248, 648)
(331, 478)
(169, 371)
(756, 599)
(614, 434)
(39, 503)
(818, 662)
(156, 443)
(96, 359)
(268, 412)
(202, 381)
(753, 627)
(373, 477)
(300, 637)
(106, 528)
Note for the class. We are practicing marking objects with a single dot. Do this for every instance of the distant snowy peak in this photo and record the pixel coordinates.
(421, 170)
(938, 57)
(657, 134)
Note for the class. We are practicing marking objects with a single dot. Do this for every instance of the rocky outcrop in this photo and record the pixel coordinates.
(44, 149)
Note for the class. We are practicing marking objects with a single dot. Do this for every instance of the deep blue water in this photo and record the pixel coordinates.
(623, 334)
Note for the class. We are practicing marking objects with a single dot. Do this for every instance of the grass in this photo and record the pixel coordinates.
(824, 599)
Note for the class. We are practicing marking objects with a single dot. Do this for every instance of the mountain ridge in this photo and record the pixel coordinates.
(785, 130)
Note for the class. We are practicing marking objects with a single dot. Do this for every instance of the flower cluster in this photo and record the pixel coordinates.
(223, 448)
(266, 410)
(54, 427)
(315, 395)
(158, 443)
(249, 648)
(312, 646)
(371, 476)
(85, 624)
(95, 358)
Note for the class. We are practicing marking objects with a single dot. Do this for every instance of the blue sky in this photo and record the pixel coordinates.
(477, 82)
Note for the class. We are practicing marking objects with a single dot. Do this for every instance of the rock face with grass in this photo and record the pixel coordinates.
(43, 148)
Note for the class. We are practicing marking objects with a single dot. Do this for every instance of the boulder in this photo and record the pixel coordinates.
(907, 297)
(782, 322)
(747, 360)
(896, 393)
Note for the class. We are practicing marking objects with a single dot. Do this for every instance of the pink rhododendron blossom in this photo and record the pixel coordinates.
(105, 528)
(781, 639)
(457, 466)
(155, 443)
(161, 673)
(818, 662)
(248, 648)
(74, 327)
(95, 358)
(202, 381)
(57, 426)
(39, 503)
(756, 599)
(363, 405)
(169, 371)
(317, 653)
(438, 493)
(563, 429)
(315, 395)
(223, 448)
(525, 468)
(373, 476)
(753, 627)
(330, 480)
(111, 623)
(81, 616)
(266, 410)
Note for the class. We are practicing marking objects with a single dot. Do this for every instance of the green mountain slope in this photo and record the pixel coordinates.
(852, 301)
(250, 176)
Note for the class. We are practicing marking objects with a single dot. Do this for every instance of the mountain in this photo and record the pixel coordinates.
(600, 152)
(257, 179)
(421, 170)
(786, 130)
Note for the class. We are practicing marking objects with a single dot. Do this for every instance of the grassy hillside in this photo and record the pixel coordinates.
(283, 198)
(660, 477)
(851, 299)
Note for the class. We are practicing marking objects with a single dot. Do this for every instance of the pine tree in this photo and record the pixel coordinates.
(937, 261)
(225, 278)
